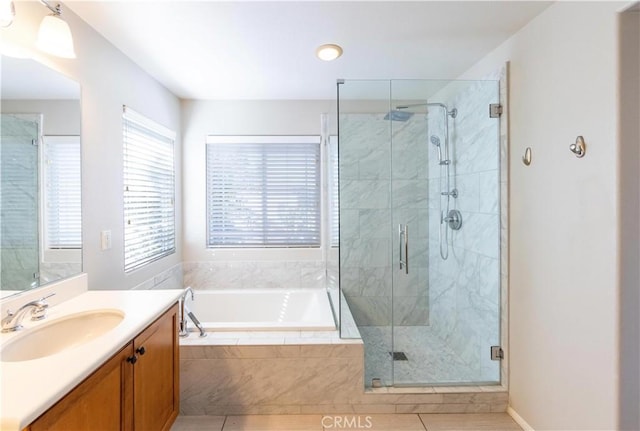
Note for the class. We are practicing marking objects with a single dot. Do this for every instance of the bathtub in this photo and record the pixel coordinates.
(272, 309)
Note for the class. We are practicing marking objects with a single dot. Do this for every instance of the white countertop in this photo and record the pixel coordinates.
(29, 388)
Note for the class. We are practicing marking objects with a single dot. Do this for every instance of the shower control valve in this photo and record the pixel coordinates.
(454, 219)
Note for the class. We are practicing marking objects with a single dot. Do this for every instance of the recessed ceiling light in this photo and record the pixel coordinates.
(328, 52)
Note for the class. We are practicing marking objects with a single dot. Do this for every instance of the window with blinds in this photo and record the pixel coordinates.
(62, 192)
(263, 191)
(149, 191)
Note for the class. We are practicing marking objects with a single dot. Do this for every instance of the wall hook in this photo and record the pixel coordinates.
(579, 148)
(526, 159)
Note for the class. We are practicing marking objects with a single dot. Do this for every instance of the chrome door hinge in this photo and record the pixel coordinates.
(34, 142)
(495, 110)
(497, 354)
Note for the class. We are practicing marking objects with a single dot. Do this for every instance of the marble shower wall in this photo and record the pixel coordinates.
(372, 203)
(19, 255)
(465, 288)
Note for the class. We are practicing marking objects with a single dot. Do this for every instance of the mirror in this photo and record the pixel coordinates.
(40, 224)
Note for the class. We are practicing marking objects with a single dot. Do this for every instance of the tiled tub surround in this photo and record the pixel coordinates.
(303, 373)
(254, 274)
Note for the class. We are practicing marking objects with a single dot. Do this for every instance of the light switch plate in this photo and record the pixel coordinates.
(105, 239)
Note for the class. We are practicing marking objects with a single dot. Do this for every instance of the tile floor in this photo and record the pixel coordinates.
(377, 422)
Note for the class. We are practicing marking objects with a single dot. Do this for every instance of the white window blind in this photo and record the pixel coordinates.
(62, 192)
(149, 191)
(263, 191)
(334, 193)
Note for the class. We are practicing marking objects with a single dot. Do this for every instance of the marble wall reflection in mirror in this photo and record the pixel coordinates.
(40, 226)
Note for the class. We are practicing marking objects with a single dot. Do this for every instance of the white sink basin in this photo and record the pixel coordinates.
(60, 334)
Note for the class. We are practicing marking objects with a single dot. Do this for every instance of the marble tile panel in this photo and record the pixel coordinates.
(410, 194)
(279, 381)
(349, 223)
(350, 281)
(374, 223)
(376, 164)
(198, 423)
(327, 409)
(489, 192)
(374, 409)
(407, 284)
(274, 423)
(392, 422)
(470, 422)
(365, 253)
(375, 281)
(253, 410)
(332, 351)
(468, 186)
(475, 398)
(443, 408)
(410, 310)
(370, 310)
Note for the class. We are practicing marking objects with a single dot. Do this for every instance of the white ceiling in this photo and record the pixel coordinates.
(266, 49)
(28, 79)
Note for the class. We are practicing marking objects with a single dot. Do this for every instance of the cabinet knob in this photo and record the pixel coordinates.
(141, 350)
(133, 359)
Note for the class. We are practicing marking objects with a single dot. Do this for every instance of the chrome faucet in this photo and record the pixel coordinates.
(184, 332)
(13, 321)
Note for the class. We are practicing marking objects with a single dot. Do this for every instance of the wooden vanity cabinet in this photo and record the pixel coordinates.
(136, 390)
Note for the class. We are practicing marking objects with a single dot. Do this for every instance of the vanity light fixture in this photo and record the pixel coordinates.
(54, 35)
(328, 52)
(7, 13)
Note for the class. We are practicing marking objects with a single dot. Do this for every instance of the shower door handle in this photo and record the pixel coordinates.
(403, 243)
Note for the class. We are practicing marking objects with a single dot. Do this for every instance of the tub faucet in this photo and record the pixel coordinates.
(13, 321)
(184, 332)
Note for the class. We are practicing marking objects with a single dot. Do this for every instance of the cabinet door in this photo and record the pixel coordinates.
(102, 402)
(156, 374)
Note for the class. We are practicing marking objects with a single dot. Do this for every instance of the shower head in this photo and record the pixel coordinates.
(397, 115)
(436, 141)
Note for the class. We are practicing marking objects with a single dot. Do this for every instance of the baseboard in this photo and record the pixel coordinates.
(516, 417)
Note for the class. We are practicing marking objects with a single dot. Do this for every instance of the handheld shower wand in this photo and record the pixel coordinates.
(436, 141)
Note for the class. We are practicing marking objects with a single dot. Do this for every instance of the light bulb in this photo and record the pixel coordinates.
(54, 37)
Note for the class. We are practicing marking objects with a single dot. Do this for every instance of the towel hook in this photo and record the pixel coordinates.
(526, 159)
(579, 148)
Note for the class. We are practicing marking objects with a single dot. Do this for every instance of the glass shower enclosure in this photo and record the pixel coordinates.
(19, 194)
(419, 229)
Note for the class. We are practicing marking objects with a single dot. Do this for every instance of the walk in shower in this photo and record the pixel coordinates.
(419, 228)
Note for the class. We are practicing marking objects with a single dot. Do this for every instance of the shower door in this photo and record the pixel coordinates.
(19, 251)
(419, 228)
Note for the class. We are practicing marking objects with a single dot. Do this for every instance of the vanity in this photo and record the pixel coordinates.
(118, 368)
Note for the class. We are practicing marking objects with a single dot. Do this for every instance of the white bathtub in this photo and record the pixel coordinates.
(263, 310)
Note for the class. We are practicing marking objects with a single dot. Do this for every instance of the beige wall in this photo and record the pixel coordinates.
(564, 258)
(108, 80)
